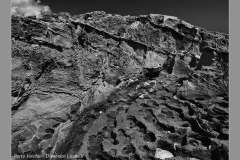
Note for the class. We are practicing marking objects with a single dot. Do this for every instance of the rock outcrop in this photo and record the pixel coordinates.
(102, 86)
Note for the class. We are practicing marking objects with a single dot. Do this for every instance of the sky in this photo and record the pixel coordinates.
(212, 15)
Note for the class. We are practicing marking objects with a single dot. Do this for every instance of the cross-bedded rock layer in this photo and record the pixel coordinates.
(117, 87)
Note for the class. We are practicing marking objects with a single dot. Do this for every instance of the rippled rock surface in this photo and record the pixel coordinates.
(111, 87)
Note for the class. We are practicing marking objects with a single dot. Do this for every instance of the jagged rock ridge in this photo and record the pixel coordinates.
(118, 87)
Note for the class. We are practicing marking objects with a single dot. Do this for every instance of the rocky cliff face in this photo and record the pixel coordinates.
(108, 87)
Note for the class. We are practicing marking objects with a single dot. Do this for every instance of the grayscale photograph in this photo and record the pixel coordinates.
(120, 80)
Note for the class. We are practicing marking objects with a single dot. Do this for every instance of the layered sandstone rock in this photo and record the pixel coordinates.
(118, 87)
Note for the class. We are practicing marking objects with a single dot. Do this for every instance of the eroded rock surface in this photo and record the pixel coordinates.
(118, 87)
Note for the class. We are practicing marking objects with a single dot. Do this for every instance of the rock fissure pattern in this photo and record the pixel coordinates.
(118, 87)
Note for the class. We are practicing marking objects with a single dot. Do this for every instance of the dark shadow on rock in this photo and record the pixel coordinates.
(151, 72)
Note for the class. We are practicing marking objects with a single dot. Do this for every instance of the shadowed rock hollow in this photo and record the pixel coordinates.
(118, 87)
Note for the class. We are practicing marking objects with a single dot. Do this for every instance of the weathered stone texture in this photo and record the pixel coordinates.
(118, 87)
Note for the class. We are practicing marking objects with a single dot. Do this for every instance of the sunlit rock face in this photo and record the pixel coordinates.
(108, 87)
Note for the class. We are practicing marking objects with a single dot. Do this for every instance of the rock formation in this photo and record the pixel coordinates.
(111, 87)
